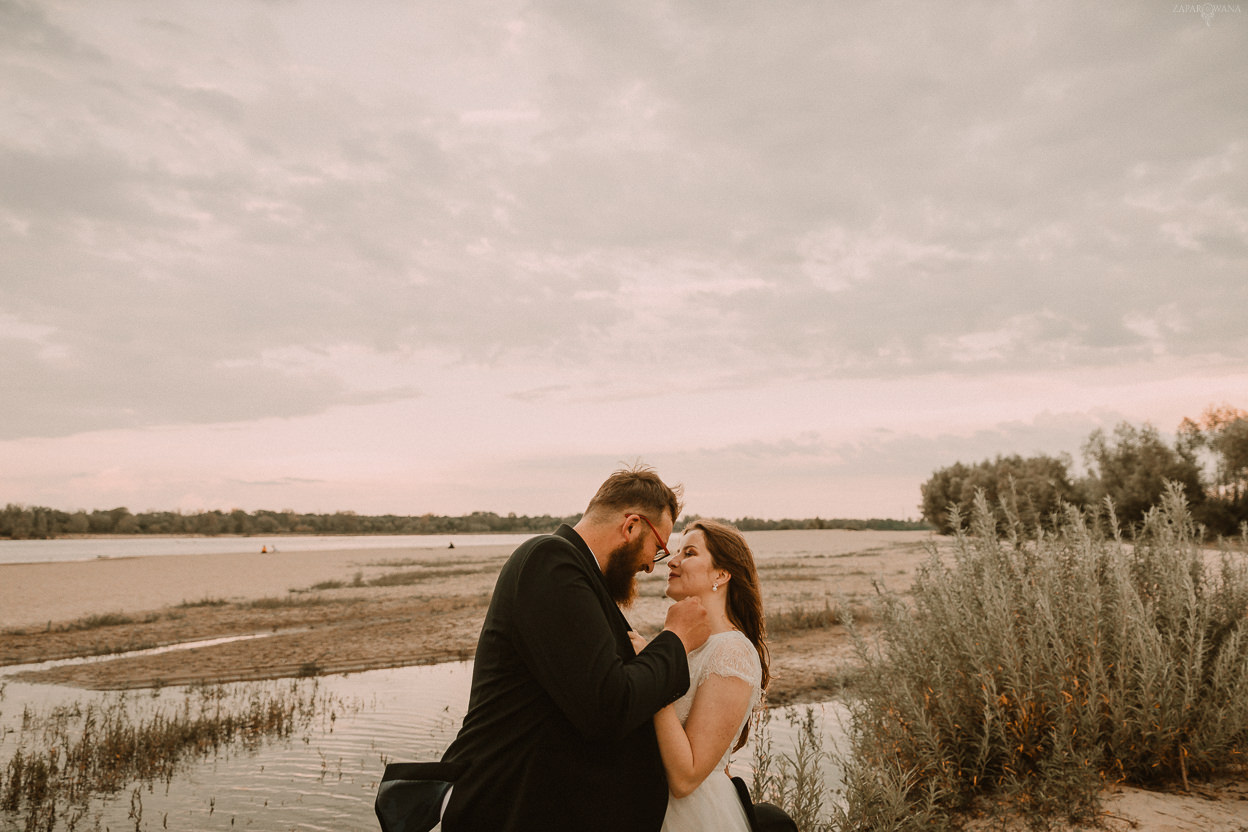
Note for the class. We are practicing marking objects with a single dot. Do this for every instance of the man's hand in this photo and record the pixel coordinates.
(689, 621)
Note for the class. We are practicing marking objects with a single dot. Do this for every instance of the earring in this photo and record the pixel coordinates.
(715, 587)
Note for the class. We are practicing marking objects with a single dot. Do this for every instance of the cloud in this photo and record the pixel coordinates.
(730, 195)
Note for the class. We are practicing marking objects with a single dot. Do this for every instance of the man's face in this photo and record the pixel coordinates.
(631, 557)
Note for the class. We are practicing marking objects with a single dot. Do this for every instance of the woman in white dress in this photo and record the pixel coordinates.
(727, 677)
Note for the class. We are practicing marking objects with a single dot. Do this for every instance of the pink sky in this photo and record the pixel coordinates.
(409, 258)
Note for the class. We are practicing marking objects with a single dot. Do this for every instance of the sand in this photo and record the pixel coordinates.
(432, 615)
(35, 593)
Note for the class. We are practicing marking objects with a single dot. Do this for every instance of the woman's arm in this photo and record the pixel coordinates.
(692, 751)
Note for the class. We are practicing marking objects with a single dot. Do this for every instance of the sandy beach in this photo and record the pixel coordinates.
(36, 593)
(297, 613)
(308, 613)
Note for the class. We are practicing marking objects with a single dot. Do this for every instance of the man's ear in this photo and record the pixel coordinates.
(628, 524)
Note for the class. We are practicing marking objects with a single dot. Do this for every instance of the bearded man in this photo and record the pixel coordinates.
(559, 732)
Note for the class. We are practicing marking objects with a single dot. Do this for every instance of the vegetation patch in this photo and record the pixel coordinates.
(1038, 667)
(70, 753)
(1130, 466)
(419, 575)
(283, 603)
(204, 602)
(798, 618)
(793, 781)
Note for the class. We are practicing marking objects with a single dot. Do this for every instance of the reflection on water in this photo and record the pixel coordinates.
(323, 779)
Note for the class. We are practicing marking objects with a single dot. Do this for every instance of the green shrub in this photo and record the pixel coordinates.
(1033, 672)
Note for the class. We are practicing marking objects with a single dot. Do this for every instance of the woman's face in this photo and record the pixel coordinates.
(690, 571)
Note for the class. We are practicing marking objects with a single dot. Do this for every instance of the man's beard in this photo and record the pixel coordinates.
(620, 572)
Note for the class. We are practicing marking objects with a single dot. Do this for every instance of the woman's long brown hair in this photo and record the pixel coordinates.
(730, 552)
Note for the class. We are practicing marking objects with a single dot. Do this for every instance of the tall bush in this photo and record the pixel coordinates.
(1034, 671)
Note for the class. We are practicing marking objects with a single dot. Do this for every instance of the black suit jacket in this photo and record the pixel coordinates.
(558, 734)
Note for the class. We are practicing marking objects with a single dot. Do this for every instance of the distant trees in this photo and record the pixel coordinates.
(22, 522)
(37, 522)
(1222, 435)
(758, 524)
(1036, 485)
(1130, 466)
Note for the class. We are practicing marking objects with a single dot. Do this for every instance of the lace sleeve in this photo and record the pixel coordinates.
(734, 658)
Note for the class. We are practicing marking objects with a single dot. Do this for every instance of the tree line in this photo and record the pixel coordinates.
(758, 524)
(1128, 466)
(38, 522)
(21, 522)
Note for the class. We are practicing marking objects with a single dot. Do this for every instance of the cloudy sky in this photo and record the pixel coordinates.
(451, 256)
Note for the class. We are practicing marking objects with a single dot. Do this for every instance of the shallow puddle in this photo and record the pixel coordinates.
(324, 778)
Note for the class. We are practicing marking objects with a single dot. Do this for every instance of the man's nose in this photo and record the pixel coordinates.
(649, 567)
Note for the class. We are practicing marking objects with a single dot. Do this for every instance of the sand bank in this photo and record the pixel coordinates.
(36, 593)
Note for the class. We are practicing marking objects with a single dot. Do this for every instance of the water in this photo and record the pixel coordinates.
(72, 549)
(796, 542)
(322, 779)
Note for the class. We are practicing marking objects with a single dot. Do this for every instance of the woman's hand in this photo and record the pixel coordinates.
(639, 643)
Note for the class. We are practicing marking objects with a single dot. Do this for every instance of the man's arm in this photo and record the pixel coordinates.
(564, 636)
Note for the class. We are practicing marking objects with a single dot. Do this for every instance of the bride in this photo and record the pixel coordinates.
(727, 676)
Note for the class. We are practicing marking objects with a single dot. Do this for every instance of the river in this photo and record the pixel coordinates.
(132, 546)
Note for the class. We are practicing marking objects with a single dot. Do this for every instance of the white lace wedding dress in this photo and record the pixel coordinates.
(714, 804)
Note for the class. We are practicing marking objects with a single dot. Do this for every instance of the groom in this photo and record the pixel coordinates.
(558, 734)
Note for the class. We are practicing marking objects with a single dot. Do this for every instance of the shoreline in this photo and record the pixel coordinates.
(57, 591)
(330, 611)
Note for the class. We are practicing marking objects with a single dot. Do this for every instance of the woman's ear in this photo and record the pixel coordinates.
(723, 577)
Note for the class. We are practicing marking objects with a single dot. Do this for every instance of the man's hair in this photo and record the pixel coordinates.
(636, 489)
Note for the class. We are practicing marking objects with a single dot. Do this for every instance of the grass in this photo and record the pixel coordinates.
(407, 578)
(798, 618)
(492, 561)
(92, 622)
(356, 581)
(71, 753)
(1029, 673)
(272, 603)
(205, 602)
(88, 622)
(793, 781)
(417, 576)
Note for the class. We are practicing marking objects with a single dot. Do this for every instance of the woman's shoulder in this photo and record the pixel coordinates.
(731, 637)
(731, 653)
(735, 638)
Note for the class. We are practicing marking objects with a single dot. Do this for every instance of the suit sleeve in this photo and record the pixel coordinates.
(565, 637)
